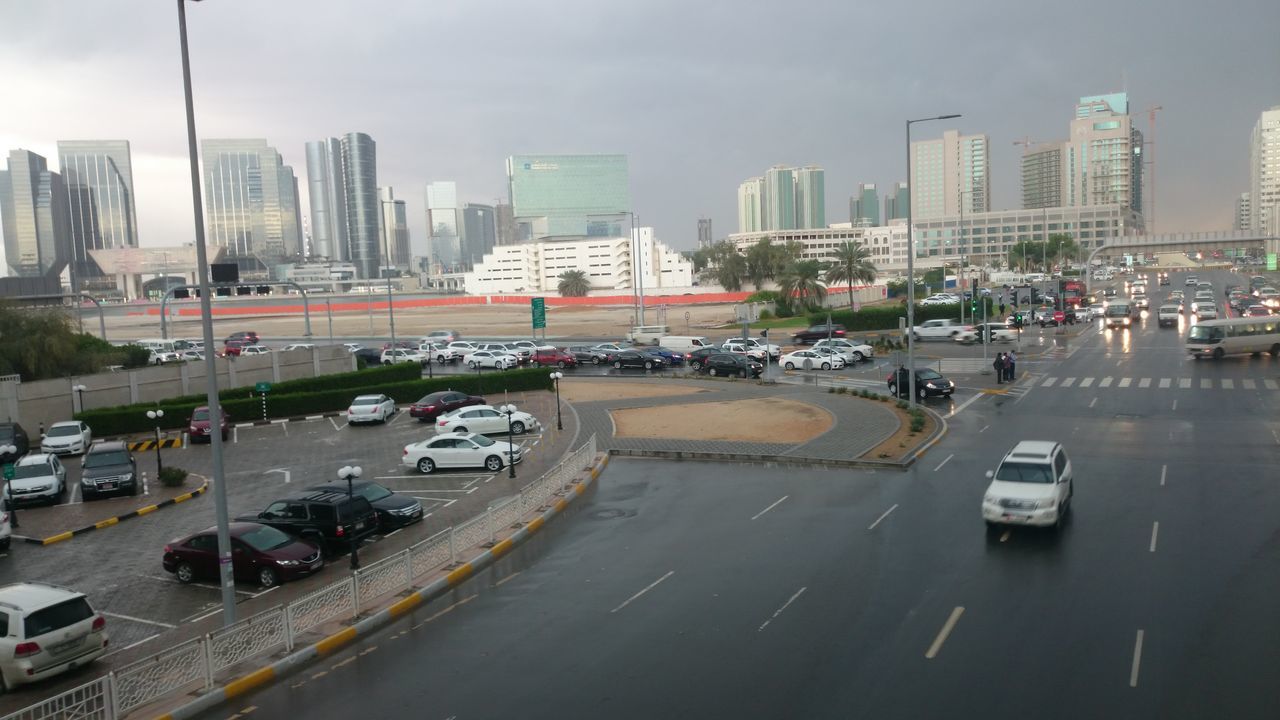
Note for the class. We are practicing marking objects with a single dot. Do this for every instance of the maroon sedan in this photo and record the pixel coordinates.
(544, 356)
(258, 553)
(199, 426)
(437, 403)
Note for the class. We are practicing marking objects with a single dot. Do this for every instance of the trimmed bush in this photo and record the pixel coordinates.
(885, 317)
(917, 424)
(171, 476)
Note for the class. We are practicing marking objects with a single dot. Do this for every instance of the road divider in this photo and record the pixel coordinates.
(144, 510)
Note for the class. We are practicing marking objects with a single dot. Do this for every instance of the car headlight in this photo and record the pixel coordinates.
(930, 385)
(126, 477)
(991, 499)
(287, 563)
(1044, 504)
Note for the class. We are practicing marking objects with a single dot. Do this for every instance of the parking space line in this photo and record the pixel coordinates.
(944, 462)
(171, 581)
(235, 434)
(1164, 469)
(775, 504)
(778, 612)
(1155, 531)
(131, 645)
(399, 414)
(131, 618)
(1137, 660)
(947, 627)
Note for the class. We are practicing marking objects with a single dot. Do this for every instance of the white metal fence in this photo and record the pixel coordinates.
(198, 660)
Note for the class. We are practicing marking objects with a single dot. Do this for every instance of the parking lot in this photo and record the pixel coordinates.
(119, 567)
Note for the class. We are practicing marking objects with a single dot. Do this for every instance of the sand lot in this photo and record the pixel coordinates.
(575, 390)
(759, 420)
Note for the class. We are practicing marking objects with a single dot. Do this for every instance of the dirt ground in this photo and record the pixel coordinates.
(575, 390)
(902, 442)
(760, 420)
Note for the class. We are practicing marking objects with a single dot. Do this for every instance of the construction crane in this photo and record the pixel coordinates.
(1150, 161)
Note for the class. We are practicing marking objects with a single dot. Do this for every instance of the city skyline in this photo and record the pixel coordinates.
(687, 152)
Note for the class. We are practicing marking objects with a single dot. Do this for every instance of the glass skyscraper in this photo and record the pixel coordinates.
(393, 222)
(479, 233)
(810, 197)
(443, 225)
(251, 202)
(569, 195)
(33, 209)
(864, 208)
(342, 174)
(98, 175)
(328, 199)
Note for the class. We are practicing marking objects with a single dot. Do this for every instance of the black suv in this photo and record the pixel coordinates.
(11, 433)
(727, 365)
(328, 519)
(394, 510)
(108, 467)
(816, 333)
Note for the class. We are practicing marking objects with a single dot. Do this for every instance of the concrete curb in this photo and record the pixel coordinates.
(940, 428)
(145, 510)
(756, 457)
(371, 624)
(298, 418)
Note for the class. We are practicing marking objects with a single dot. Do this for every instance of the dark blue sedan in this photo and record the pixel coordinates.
(671, 356)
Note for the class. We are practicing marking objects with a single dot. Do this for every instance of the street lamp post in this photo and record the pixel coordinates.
(79, 395)
(156, 415)
(11, 451)
(556, 377)
(508, 410)
(350, 474)
(911, 269)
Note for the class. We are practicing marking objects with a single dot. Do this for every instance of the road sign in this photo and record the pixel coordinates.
(8, 471)
(262, 387)
(539, 307)
(1271, 262)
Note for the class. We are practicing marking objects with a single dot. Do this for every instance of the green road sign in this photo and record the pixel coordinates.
(8, 471)
(1271, 261)
(262, 387)
(539, 307)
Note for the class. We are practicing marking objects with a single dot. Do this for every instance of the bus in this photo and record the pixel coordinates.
(1215, 338)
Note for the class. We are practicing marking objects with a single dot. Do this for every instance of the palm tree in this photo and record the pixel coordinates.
(803, 281)
(1062, 247)
(852, 264)
(573, 283)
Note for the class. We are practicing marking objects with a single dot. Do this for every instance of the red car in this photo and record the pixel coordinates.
(437, 403)
(554, 356)
(259, 553)
(233, 347)
(199, 427)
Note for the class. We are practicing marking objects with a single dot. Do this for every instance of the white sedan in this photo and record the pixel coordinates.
(999, 333)
(832, 355)
(399, 355)
(491, 359)
(852, 352)
(460, 450)
(70, 437)
(483, 419)
(806, 359)
(371, 408)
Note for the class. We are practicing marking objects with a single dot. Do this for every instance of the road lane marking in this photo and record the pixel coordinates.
(1165, 382)
(1249, 384)
(1068, 382)
(965, 404)
(883, 516)
(1144, 383)
(509, 577)
(1086, 382)
(1206, 384)
(1163, 469)
(651, 586)
(1093, 402)
(944, 462)
(1228, 384)
(460, 603)
(1275, 435)
(774, 505)
(157, 623)
(1048, 382)
(947, 627)
(1125, 382)
(1155, 531)
(984, 428)
(1184, 383)
(1175, 403)
(778, 612)
(1271, 384)
(1137, 660)
(1106, 382)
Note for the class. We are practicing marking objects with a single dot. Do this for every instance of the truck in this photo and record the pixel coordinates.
(1072, 293)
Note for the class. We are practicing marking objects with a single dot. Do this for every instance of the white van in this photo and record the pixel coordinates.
(685, 343)
(157, 345)
(647, 334)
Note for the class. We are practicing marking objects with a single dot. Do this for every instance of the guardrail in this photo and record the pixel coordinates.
(196, 662)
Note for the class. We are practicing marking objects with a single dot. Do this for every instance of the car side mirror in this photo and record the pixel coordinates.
(990, 474)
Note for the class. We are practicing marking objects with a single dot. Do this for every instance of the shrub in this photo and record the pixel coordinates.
(766, 315)
(917, 424)
(134, 356)
(903, 404)
(764, 296)
(171, 476)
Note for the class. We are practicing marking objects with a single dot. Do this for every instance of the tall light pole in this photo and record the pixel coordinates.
(911, 268)
(508, 410)
(225, 577)
(391, 310)
(350, 474)
(556, 377)
(155, 416)
(638, 262)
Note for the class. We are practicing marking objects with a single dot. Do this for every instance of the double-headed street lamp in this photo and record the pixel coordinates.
(79, 395)
(911, 269)
(556, 377)
(350, 474)
(156, 415)
(509, 410)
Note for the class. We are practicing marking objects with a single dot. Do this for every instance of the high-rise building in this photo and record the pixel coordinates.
(705, 238)
(948, 172)
(897, 203)
(568, 195)
(1243, 216)
(393, 222)
(751, 205)
(504, 217)
(779, 199)
(1042, 176)
(864, 208)
(98, 175)
(479, 233)
(810, 197)
(343, 176)
(35, 217)
(444, 227)
(251, 203)
(1102, 160)
(1264, 172)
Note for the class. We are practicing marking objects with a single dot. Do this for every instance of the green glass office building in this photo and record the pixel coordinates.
(569, 195)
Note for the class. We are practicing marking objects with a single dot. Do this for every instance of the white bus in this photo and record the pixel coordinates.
(1215, 338)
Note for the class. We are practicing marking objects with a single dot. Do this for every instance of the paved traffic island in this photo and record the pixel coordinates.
(46, 525)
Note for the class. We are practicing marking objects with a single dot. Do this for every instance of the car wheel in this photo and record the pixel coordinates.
(426, 465)
(472, 365)
(826, 366)
(790, 366)
(711, 372)
(922, 394)
(440, 359)
(858, 357)
(1218, 353)
(742, 373)
(648, 365)
(134, 489)
(595, 361)
(517, 428)
(617, 364)
(560, 364)
(1275, 350)
(268, 577)
(185, 573)
(493, 463)
(695, 366)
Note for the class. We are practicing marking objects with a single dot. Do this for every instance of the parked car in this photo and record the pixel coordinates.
(611, 348)
(330, 521)
(833, 355)
(51, 630)
(853, 352)
(929, 383)
(108, 467)
(443, 337)
(371, 408)
(460, 450)
(163, 357)
(297, 346)
(671, 357)
(728, 365)
(6, 530)
(200, 428)
(1031, 486)
(636, 359)
(11, 433)
(255, 350)
(774, 351)
(495, 359)
(484, 419)
(462, 347)
(398, 355)
(37, 478)
(191, 356)
(371, 357)
(805, 360)
(440, 353)
(69, 437)
(738, 347)
(940, 299)
(697, 358)
(519, 353)
(244, 337)
(259, 553)
(587, 354)
(394, 510)
(554, 356)
(431, 406)
(817, 332)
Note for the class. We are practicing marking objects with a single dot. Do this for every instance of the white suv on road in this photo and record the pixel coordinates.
(1031, 486)
(938, 329)
(47, 630)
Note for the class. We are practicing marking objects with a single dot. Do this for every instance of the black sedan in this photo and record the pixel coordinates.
(394, 511)
(637, 359)
(728, 365)
(698, 358)
(817, 332)
(587, 354)
(928, 384)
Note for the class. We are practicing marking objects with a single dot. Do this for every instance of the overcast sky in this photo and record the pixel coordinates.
(699, 94)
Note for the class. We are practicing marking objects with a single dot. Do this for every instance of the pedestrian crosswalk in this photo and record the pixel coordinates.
(1163, 383)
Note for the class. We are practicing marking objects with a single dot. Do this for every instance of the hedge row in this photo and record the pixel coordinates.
(133, 418)
(885, 317)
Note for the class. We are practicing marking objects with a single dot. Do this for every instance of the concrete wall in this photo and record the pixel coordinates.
(44, 402)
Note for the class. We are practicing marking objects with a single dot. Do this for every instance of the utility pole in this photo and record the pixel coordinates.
(1151, 163)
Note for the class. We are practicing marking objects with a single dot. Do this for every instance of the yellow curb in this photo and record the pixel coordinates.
(255, 679)
(335, 641)
(502, 548)
(460, 574)
(58, 538)
(400, 607)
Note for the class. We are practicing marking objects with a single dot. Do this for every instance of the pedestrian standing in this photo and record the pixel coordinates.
(1012, 361)
(998, 366)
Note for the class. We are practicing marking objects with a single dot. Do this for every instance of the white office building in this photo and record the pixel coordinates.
(949, 171)
(1264, 172)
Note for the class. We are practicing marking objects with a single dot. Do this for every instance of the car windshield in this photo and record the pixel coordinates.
(103, 459)
(6, 433)
(199, 415)
(367, 400)
(1202, 333)
(481, 440)
(374, 492)
(56, 617)
(31, 471)
(265, 537)
(64, 430)
(929, 375)
(1024, 473)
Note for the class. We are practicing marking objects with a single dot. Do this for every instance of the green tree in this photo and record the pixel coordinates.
(1026, 253)
(1062, 248)
(852, 264)
(802, 283)
(573, 283)
(726, 266)
(38, 343)
(761, 262)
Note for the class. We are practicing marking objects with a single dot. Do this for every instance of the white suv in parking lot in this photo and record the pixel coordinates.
(46, 630)
(852, 352)
(1031, 486)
